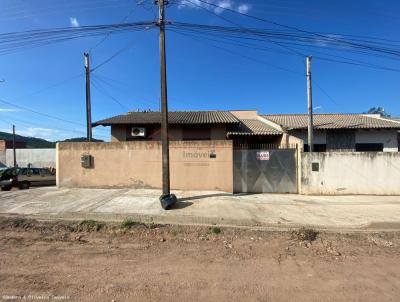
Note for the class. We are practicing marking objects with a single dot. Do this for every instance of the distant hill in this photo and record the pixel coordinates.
(31, 142)
(34, 142)
(82, 139)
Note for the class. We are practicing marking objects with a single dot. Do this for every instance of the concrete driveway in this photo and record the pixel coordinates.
(257, 210)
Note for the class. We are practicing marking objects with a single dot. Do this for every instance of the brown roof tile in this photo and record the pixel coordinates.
(253, 127)
(174, 117)
(333, 121)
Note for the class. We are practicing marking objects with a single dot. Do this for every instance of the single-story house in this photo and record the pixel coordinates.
(342, 132)
(397, 119)
(332, 132)
(243, 126)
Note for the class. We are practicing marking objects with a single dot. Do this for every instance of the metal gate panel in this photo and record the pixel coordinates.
(265, 171)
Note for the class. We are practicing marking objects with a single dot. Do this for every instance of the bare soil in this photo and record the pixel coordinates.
(92, 261)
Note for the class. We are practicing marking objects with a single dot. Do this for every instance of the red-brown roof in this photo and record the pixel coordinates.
(253, 127)
(174, 117)
(333, 121)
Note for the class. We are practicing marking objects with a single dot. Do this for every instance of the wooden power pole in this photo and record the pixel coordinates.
(14, 152)
(310, 107)
(166, 198)
(88, 100)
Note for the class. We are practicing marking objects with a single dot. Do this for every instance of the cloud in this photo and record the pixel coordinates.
(45, 133)
(195, 4)
(330, 38)
(243, 8)
(222, 5)
(8, 110)
(225, 4)
(73, 21)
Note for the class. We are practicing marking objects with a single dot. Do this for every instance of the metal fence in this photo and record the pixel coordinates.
(262, 146)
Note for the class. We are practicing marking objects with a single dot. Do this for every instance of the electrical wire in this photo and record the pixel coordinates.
(236, 34)
(244, 28)
(17, 41)
(331, 38)
(111, 32)
(105, 93)
(106, 81)
(2, 100)
(116, 54)
(319, 86)
(29, 123)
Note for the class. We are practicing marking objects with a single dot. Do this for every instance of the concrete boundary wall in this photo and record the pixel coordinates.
(38, 158)
(195, 165)
(350, 173)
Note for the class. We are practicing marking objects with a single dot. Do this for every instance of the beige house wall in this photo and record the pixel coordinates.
(118, 133)
(290, 141)
(137, 164)
(245, 114)
(218, 132)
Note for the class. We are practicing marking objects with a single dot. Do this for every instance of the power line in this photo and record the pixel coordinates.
(241, 55)
(43, 11)
(116, 54)
(342, 41)
(234, 23)
(39, 113)
(62, 82)
(112, 31)
(108, 95)
(106, 81)
(266, 63)
(28, 123)
(232, 34)
(17, 41)
(282, 36)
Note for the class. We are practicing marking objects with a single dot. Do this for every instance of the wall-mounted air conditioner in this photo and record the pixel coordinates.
(138, 132)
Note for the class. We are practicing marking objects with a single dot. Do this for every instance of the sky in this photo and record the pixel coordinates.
(202, 74)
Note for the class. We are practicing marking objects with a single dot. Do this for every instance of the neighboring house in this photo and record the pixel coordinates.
(343, 132)
(332, 132)
(38, 158)
(8, 144)
(397, 119)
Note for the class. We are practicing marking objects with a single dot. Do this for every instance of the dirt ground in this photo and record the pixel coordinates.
(91, 261)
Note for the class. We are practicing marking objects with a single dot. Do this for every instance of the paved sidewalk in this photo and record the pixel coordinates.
(256, 210)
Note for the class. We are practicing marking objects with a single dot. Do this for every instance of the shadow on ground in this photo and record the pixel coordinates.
(204, 196)
(180, 205)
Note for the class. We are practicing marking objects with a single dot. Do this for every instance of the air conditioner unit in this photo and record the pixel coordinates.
(138, 132)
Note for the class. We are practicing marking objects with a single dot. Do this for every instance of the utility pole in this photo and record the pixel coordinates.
(14, 153)
(310, 108)
(88, 100)
(166, 199)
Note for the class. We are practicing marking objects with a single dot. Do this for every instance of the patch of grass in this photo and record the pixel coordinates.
(151, 225)
(89, 225)
(18, 222)
(305, 234)
(129, 222)
(216, 230)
